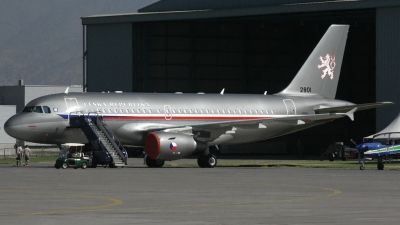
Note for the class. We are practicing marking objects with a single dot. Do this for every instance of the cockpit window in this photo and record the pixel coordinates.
(46, 109)
(37, 109)
(28, 109)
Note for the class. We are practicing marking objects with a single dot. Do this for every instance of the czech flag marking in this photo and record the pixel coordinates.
(173, 146)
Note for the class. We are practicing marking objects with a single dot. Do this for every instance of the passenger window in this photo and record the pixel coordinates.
(109, 110)
(133, 110)
(190, 110)
(262, 111)
(121, 110)
(201, 111)
(185, 110)
(158, 110)
(267, 111)
(115, 110)
(229, 111)
(217, 110)
(212, 111)
(149, 110)
(223, 111)
(240, 111)
(144, 110)
(256, 111)
(46, 109)
(173, 111)
(104, 110)
(138, 110)
(196, 111)
(251, 111)
(127, 110)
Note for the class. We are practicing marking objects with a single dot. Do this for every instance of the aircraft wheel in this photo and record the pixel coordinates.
(362, 167)
(154, 163)
(331, 157)
(201, 161)
(64, 165)
(84, 165)
(211, 161)
(380, 166)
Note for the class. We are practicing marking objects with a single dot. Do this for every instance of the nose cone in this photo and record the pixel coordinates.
(13, 127)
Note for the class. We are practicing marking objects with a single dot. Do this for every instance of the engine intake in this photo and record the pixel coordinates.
(171, 146)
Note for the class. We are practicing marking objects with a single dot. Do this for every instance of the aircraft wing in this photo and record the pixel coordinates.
(261, 123)
(359, 107)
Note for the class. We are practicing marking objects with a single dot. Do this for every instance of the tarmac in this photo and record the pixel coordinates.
(41, 194)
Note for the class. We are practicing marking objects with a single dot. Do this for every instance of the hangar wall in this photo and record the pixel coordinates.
(387, 61)
(253, 54)
(110, 61)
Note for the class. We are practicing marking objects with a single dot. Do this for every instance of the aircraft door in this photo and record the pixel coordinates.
(168, 112)
(72, 104)
(290, 107)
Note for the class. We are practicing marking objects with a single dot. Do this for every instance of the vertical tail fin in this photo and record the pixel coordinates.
(319, 75)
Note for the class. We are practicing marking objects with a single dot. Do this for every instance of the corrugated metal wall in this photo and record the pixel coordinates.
(243, 55)
(109, 57)
(387, 63)
(6, 111)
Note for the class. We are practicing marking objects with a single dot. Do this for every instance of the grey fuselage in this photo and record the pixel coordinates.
(132, 115)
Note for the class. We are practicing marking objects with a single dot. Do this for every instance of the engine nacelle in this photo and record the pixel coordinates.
(171, 146)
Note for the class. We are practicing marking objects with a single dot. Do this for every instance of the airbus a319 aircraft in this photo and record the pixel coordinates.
(175, 126)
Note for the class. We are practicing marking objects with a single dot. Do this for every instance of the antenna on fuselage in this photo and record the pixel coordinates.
(66, 91)
(222, 92)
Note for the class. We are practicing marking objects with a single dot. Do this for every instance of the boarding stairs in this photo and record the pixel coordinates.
(101, 137)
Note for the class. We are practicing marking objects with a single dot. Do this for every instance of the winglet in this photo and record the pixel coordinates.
(350, 114)
(222, 92)
(66, 91)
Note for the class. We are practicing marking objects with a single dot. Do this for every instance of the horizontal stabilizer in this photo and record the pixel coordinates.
(347, 108)
(350, 114)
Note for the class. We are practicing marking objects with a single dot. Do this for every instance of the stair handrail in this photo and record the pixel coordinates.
(78, 114)
(110, 135)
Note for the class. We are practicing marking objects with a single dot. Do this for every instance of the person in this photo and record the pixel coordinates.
(27, 153)
(19, 155)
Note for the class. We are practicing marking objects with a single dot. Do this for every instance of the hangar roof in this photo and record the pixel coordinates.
(234, 9)
(184, 5)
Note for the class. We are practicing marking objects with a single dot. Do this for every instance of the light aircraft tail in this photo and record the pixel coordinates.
(319, 75)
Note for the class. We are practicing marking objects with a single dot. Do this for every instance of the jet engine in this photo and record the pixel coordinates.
(171, 146)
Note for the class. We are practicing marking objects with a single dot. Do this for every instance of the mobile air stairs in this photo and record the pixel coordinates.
(100, 137)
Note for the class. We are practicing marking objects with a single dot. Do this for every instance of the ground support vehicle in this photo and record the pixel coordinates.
(71, 155)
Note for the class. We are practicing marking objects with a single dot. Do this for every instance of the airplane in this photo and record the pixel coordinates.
(172, 126)
(382, 145)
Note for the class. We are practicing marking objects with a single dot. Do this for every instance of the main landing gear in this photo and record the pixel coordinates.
(207, 161)
(380, 165)
(154, 163)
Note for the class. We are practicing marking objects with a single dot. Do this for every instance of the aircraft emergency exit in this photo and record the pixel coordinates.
(175, 126)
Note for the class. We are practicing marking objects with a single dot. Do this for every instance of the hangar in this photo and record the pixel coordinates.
(248, 47)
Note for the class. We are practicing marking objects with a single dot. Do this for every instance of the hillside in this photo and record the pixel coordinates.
(41, 41)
